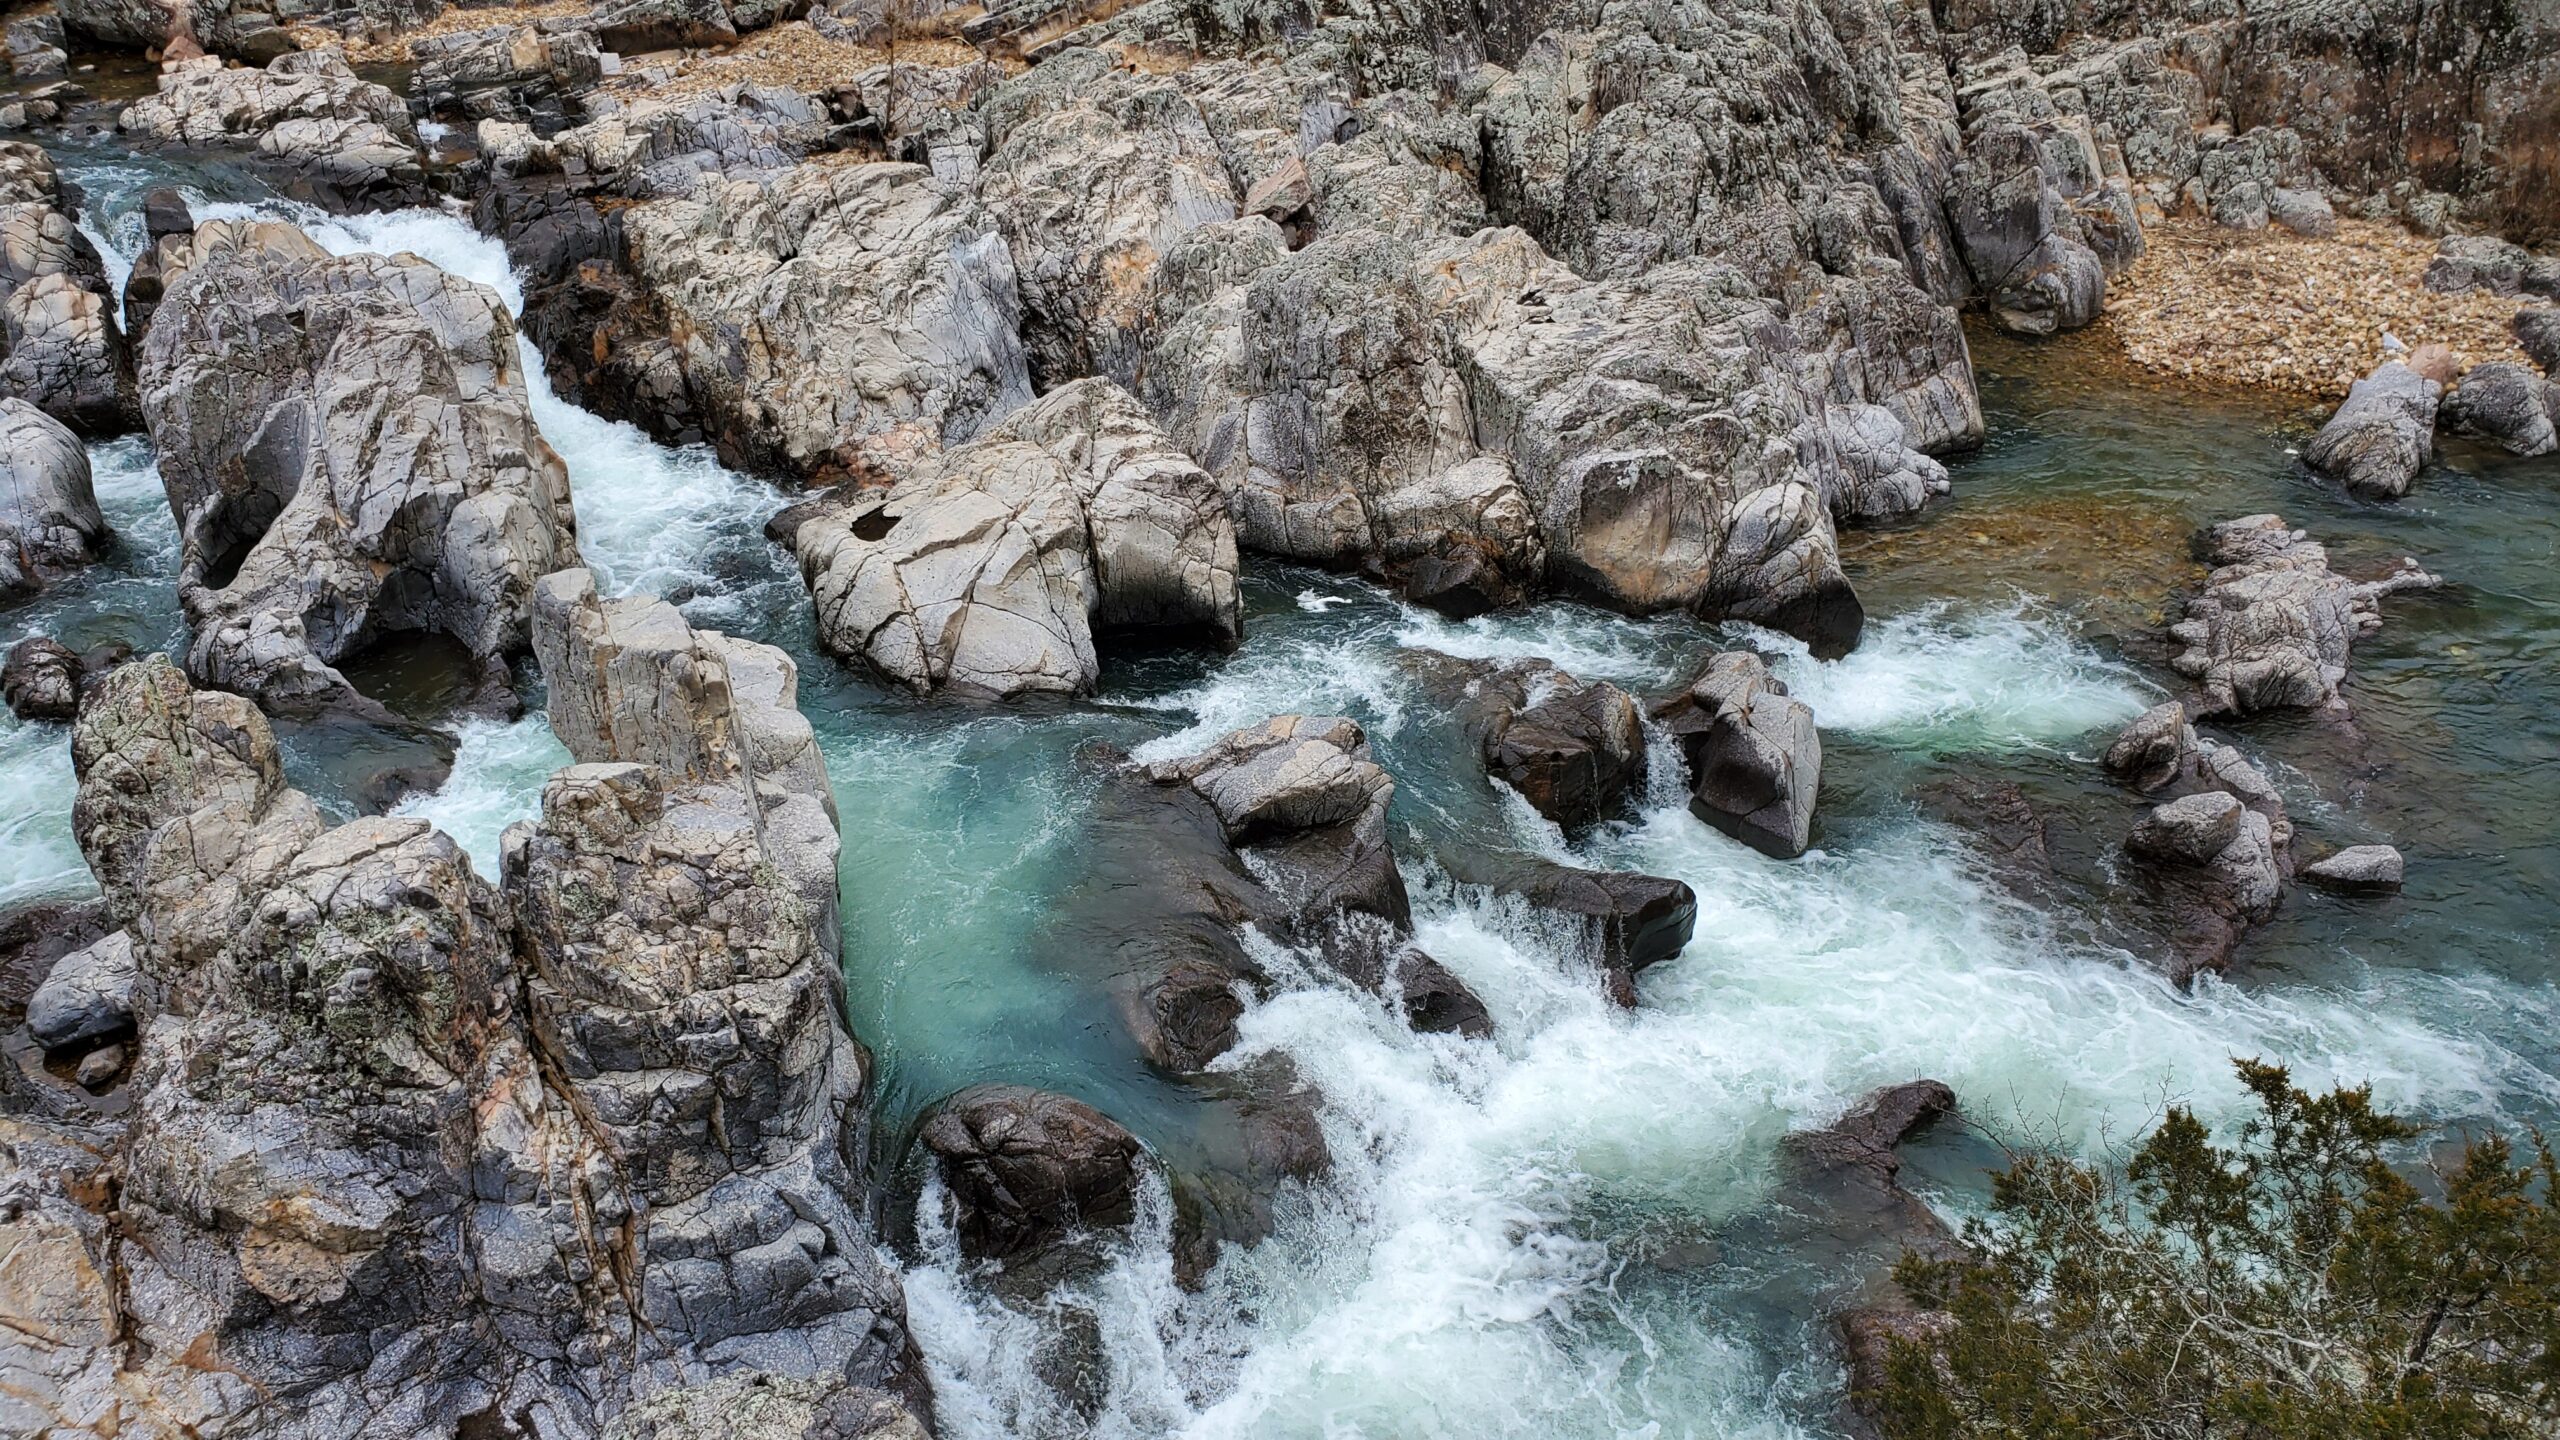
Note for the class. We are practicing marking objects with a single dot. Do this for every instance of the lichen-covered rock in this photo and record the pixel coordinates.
(2381, 434)
(1755, 758)
(2537, 332)
(50, 522)
(987, 572)
(41, 679)
(507, 72)
(2507, 405)
(1024, 1169)
(2021, 234)
(351, 455)
(2500, 267)
(1094, 172)
(2273, 626)
(630, 680)
(60, 348)
(329, 137)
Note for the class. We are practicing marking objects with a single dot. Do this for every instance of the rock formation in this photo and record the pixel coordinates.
(348, 447)
(2212, 857)
(987, 572)
(1574, 751)
(2357, 869)
(1024, 1168)
(50, 523)
(404, 1149)
(60, 349)
(2382, 433)
(2507, 405)
(1755, 758)
(2274, 625)
(305, 119)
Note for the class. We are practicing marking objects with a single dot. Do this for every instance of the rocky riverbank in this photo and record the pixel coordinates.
(318, 1127)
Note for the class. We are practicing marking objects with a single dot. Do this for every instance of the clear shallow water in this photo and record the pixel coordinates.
(1571, 1228)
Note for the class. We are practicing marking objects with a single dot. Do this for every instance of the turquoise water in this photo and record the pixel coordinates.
(1489, 1256)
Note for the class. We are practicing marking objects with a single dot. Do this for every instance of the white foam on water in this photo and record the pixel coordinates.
(1462, 1270)
(499, 768)
(132, 591)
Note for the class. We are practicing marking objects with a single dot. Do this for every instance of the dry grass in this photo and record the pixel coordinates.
(2274, 310)
(793, 56)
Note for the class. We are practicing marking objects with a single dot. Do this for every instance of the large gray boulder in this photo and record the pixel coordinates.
(2211, 866)
(2274, 625)
(2507, 405)
(325, 135)
(834, 320)
(2487, 263)
(987, 572)
(88, 999)
(351, 455)
(1574, 750)
(2021, 234)
(60, 349)
(2382, 433)
(2357, 869)
(50, 522)
(1755, 758)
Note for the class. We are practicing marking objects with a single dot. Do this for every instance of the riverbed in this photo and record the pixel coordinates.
(1574, 1227)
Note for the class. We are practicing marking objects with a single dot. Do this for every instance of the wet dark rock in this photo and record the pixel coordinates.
(2274, 625)
(41, 679)
(1025, 1168)
(2507, 405)
(165, 222)
(2015, 836)
(2382, 433)
(2537, 331)
(1622, 921)
(2357, 869)
(1755, 758)
(1573, 750)
(88, 999)
(2210, 866)
(2147, 753)
(1851, 1169)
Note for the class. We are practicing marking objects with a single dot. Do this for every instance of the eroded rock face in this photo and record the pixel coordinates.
(348, 447)
(1572, 750)
(2274, 625)
(989, 570)
(347, 1173)
(2211, 858)
(840, 320)
(2382, 433)
(50, 523)
(327, 136)
(42, 679)
(60, 348)
(1026, 1168)
(1755, 758)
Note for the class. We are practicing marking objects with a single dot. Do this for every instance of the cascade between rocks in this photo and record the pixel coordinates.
(1575, 1226)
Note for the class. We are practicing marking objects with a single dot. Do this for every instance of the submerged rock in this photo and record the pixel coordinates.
(1850, 1170)
(2358, 868)
(50, 522)
(1620, 921)
(987, 572)
(2381, 434)
(1025, 1168)
(1755, 758)
(2274, 625)
(351, 455)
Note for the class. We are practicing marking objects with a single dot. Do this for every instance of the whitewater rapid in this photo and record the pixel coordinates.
(1475, 1264)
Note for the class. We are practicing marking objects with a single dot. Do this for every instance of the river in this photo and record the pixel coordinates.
(1573, 1228)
